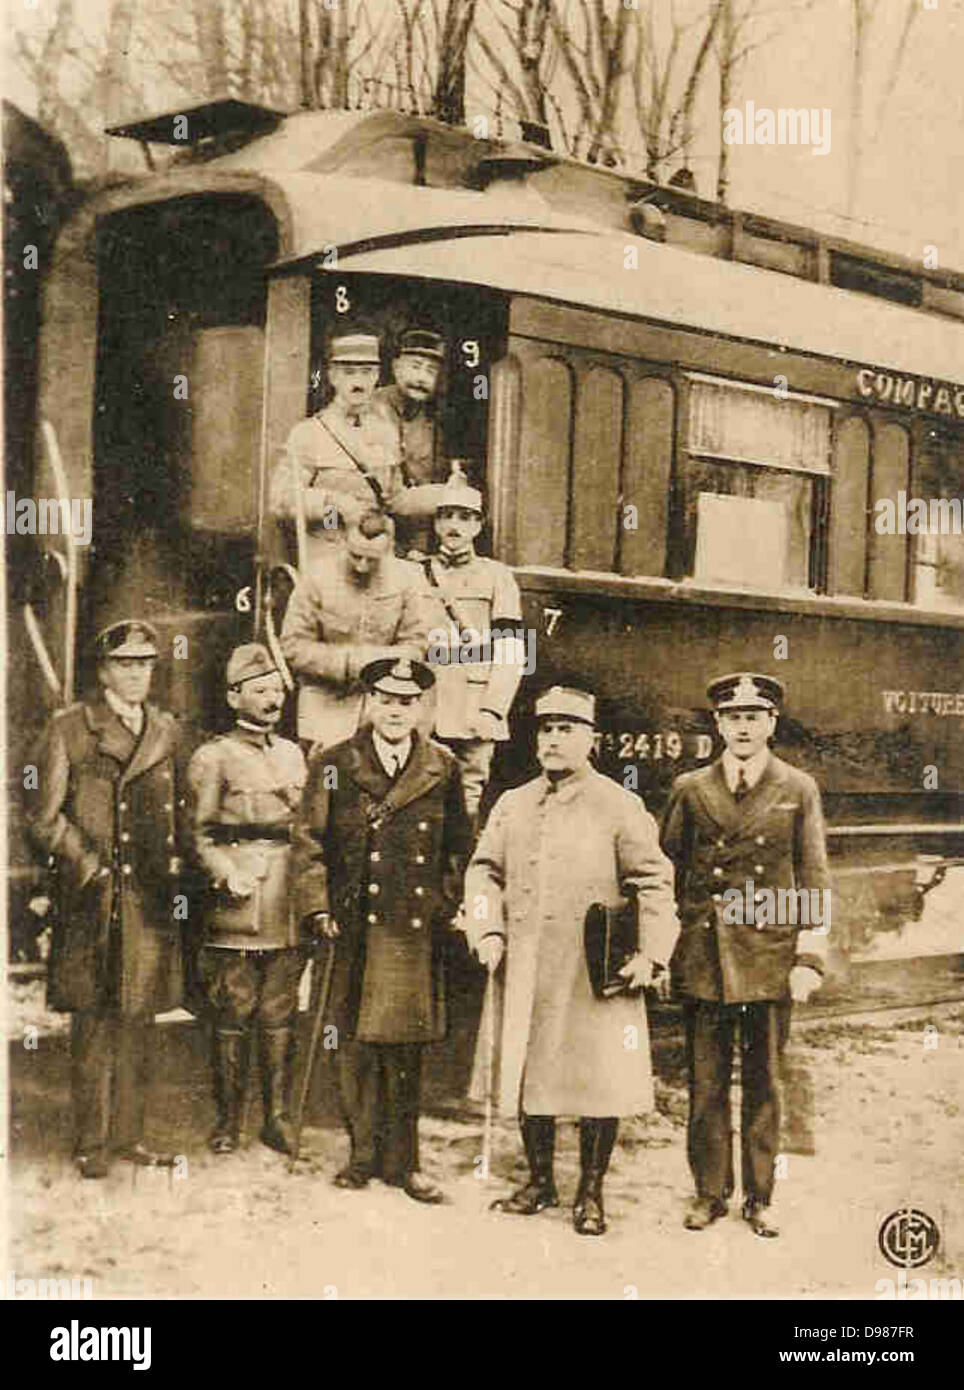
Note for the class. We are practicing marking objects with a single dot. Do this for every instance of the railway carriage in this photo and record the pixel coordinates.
(684, 420)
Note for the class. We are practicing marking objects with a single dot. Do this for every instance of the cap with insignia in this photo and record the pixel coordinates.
(246, 662)
(358, 348)
(567, 702)
(397, 677)
(745, 690)
(130, 638)
(457, 492)
(420, 342)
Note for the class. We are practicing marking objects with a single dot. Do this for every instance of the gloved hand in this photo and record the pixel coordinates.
(803, 982)
(239, 884)
(490, 951)
(323, 924)
(645, 973)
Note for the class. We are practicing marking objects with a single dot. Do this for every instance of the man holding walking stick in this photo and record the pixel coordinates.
(381, 840)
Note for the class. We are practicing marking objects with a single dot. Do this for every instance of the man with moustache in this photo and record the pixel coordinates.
(104, 809)
(747, 818)
(245, 789)
(341, 461)
(382, 839)
(358, 604)
(477, 676)
(551, 849)
(409, 405)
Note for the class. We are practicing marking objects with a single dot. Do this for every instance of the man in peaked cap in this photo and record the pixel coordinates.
(341, 461)
(382, 839)
(476, 639)
(739, 832)
(551, 849)
(245, 789)
(105, 810)
(410, 406)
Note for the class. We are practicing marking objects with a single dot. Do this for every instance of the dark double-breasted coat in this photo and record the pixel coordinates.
(773, 839)
(106, 799)
(385, 859)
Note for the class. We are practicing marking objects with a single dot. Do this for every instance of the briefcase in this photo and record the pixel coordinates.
(611, 940)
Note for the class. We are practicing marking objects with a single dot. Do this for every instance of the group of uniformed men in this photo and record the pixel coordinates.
(371, 845)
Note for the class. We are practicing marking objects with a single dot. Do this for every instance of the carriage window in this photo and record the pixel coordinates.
(939, 553)
(752, 498)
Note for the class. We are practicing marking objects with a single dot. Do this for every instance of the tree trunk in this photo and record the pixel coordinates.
(449, 98)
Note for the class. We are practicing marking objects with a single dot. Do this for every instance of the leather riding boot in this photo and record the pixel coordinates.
(539, 1141)
(596, 1140)
(277, 1075)
(228, 1056)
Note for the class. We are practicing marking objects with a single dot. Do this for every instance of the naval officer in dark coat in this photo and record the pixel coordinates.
(738, 832)
(381, 843)
(105, 810)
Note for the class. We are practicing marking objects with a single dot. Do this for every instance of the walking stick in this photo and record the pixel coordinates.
(489, 1009)
(324, 990)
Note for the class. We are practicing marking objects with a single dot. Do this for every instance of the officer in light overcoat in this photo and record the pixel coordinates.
(105, 810)
(739, 831)
(382, 841)
(245, 789)
(551, 849)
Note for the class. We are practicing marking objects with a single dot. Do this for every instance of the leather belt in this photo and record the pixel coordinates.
(231, 834)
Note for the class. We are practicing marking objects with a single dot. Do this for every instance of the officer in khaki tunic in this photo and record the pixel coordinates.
(749, 818)
(410, 406)
(477, 676)
(106, 811)
(344, 459)
(358, 604)
(245, 788)
(382, 839)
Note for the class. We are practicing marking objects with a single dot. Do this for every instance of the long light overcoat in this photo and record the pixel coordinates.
(545, 855)
(104, 799)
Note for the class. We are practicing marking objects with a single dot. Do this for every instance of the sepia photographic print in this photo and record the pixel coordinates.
(484, 662)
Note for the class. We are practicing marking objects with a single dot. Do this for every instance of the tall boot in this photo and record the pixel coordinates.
(596, 1140)
(277, 1076)
(229, 1055)
(539, 1141)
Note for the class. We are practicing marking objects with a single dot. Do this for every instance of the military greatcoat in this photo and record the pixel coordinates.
(773, 838)
(385, 859)
(546, 854)
(104, 799)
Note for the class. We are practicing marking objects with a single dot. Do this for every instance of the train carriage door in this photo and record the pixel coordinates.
(178, 408)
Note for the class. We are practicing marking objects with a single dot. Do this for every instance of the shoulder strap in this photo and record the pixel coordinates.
(366, 473)
(453, 614)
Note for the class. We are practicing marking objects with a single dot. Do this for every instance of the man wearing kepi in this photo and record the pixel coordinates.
(245, 789)
(475, 637)
(743, 831)
(551, 850)
(104, 808)
(410, 406)
(341, 461)
(382, 841)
